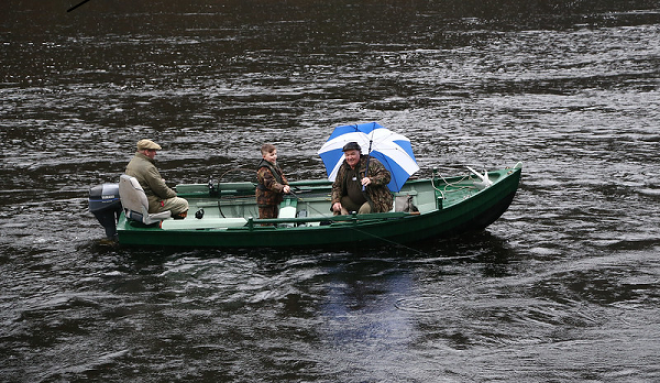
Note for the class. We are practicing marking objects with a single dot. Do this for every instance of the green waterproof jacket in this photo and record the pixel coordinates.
(377, 193)
(144, 170)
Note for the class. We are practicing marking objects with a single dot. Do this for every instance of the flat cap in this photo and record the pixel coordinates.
(351, 146)
(148, 144)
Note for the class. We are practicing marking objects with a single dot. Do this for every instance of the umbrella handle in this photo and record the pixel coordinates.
(366, 167)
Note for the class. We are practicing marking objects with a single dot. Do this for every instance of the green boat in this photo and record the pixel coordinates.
(225, 215)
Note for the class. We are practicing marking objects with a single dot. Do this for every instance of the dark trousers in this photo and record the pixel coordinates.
(268, 212)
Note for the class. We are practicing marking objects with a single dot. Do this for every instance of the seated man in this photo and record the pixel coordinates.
(347, 193)
(161, 197)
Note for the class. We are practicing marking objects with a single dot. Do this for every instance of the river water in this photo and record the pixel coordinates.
(563, 288)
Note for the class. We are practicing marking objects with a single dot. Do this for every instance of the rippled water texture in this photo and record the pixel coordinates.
(563, 288)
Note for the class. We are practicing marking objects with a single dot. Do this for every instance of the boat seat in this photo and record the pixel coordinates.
(405, 203)
(135, 203)
(287, 210)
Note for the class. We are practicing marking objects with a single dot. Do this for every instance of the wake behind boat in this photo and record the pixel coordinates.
(225, 214)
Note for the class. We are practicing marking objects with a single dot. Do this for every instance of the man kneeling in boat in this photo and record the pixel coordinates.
(347, 190)
(160, 196)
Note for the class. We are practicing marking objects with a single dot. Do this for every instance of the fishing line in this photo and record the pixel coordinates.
(219, 181)
(391, 242)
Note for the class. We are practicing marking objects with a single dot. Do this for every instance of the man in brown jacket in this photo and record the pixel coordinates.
(160, 196)
(348, 193)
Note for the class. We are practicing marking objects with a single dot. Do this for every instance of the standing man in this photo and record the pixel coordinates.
(347, 191)
(160, 196)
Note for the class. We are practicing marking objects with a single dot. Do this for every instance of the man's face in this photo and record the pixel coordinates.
(352, 157)
(151, 153)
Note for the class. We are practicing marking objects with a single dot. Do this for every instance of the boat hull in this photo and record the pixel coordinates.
(451, 215)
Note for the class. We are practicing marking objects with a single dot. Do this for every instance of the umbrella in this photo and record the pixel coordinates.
(393, 150)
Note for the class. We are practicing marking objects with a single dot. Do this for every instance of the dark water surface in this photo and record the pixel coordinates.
(563, 288)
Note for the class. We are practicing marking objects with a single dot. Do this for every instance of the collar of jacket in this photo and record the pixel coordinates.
(142, 156)
(272, 168)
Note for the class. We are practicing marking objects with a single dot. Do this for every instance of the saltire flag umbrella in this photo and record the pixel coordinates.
(392, 149)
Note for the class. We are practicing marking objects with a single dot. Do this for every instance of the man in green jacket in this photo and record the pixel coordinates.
(160, 196)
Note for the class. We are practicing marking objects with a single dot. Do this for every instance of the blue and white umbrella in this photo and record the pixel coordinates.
(392, 149)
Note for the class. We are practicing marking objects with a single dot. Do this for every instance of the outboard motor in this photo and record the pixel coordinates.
(105, 204)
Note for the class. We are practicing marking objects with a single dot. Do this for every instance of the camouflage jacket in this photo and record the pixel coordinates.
(270, 184)
(377, 193)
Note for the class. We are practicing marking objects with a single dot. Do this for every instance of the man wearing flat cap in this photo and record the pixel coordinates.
(348, 193)
(160, 196)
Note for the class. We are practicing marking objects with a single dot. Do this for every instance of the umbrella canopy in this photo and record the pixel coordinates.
(393, 150)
